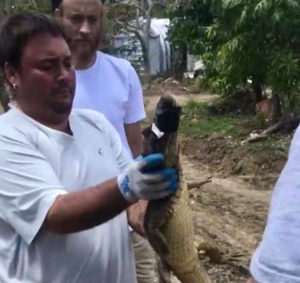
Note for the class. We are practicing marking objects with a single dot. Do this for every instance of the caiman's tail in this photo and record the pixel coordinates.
(170, 218)
(194, 275)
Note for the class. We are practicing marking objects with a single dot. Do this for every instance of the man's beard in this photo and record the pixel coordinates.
(85, 51)
(61, 108)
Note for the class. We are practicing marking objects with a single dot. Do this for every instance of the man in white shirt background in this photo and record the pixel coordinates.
(65, 179)
(111, 86)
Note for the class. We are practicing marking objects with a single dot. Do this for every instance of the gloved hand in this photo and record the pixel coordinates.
(146, 179)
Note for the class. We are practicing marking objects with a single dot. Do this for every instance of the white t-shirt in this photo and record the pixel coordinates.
(112, 87)
(277, 259)
(37, 164)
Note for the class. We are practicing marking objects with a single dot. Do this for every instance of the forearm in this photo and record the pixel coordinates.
(136, 214)
(135, 149)
(85, 209)
(134, 138)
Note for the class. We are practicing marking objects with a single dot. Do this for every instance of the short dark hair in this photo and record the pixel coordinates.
(56, 4)
(17, 29)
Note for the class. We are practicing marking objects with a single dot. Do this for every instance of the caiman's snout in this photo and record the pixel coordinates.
(162, 134)
(167, 115)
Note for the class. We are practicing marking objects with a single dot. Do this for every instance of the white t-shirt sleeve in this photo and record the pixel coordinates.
(28, 186)
(135, 110)
(121, 155)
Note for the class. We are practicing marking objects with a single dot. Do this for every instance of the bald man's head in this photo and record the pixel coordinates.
(56, 3)
(83, 24)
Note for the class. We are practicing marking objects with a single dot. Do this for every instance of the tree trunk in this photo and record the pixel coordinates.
(276, 107)
(146, 59)
(285, 125)
(257, 88)
(144, 40)
(179, 66)
(148, 78)
(147, 42)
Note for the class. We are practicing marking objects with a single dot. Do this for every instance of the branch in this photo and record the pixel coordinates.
(160, 5)
(129, 27)
(150, 5)
(128, 4)
(134, 26)
(285, 125)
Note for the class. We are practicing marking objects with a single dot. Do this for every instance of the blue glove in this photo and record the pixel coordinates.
(147, 179)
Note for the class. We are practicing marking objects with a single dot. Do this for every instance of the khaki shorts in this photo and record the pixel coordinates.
(144, 259)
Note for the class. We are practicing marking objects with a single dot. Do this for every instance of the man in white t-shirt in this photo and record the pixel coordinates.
(65, 179)
(277, 259)
(104, 83)
(111, 86)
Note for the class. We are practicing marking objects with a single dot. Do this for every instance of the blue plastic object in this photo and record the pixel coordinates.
(154, 161)
(154, 166)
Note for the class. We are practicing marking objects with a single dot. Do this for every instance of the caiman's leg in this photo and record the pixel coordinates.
(161, 242)
(211, 250)
(163, 271)
(156, 228)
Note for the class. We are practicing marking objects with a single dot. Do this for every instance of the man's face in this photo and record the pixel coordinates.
(45, 78)
(82, 23)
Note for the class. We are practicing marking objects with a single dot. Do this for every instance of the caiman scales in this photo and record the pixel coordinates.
(168, 221)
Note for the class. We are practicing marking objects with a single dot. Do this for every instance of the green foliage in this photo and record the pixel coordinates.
(242, 40)
(198, 85)
(12, 6)
(238, 103)
(188, 24)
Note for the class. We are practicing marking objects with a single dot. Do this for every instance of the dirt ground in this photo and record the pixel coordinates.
(230, 190)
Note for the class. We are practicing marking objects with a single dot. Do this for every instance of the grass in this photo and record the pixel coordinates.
(198, 121)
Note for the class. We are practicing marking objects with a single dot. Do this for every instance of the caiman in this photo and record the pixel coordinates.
(168, 221)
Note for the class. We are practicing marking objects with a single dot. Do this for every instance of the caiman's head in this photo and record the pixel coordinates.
(161, 137)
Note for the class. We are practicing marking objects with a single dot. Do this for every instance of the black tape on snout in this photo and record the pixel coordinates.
(167, 120)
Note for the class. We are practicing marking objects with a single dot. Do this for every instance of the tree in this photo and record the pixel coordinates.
(11, 6)
(255, 40)
(259, 41)
(187, 33)
(135, 17)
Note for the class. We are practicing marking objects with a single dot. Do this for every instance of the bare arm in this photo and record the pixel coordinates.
(136, 216)
(85, 209)
(134, 138)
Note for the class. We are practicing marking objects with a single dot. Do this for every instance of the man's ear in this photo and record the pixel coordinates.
(57, 14)
(11, 75)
